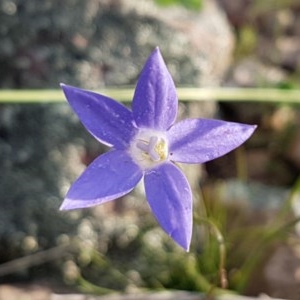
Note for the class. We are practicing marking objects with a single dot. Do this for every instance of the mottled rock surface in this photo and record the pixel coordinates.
(99, 43)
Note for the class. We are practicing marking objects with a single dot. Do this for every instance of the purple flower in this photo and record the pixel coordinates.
(145, 143)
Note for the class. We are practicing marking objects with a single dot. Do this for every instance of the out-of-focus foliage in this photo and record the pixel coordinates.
(247, 37)
(153, 261)
(189, 4)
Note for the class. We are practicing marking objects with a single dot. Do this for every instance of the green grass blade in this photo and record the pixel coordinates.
(125, 94)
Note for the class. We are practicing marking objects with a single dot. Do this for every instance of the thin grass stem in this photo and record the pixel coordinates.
(125, 94)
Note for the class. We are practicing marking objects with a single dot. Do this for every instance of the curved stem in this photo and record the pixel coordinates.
(222, 249)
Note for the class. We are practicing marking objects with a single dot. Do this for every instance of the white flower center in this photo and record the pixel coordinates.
(149, 148)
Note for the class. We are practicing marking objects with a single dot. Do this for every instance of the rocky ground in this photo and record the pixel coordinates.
(94, 44)
(40, 293)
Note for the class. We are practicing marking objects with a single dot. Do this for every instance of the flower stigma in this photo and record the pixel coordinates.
(149, 148)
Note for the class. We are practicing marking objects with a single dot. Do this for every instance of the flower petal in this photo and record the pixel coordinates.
(108, 177)
(201, 140)
(155, 101)
(170, 198)
(107, 120)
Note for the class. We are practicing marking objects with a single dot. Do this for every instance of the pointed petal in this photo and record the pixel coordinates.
(107, 120)
(155, 101)
(108, 177)
(170, 198)
(201, 140)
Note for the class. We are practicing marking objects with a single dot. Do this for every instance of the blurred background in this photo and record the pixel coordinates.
(246, 203)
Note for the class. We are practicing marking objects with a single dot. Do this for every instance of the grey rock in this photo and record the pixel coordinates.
(97, 43)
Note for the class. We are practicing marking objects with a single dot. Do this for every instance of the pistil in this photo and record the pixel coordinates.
(149, 148)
